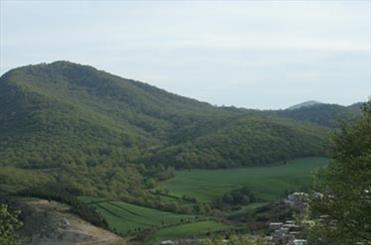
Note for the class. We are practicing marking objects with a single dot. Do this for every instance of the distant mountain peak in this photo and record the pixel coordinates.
(304, 104)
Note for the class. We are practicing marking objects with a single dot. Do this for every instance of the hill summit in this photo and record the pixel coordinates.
(304, 104)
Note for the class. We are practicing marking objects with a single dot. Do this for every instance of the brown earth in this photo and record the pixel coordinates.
(51, 223)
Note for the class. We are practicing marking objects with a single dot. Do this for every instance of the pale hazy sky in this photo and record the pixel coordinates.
(254, 54)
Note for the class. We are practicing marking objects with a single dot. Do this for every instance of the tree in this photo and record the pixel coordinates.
(8, 225)
(345, 187)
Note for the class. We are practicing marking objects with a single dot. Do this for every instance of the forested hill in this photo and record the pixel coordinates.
(64, 114)
(328, 115)
(304, 104)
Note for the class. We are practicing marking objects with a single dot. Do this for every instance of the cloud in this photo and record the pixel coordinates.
(222, 52)
(274, 43)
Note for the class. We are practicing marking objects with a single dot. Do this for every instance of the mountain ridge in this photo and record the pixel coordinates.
(96, 117)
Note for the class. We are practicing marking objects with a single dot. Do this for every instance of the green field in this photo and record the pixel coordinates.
(267, 183)
(125, 217)
(187, 230)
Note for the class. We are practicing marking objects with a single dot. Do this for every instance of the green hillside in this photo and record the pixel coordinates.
(62, 113)
(69, 131)
(246, 141)
(327, 115)
(68, 113)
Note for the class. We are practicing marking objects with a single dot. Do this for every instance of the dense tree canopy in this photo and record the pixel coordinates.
(67, 114)
(8, 226)
(328, 115)
(346, 188)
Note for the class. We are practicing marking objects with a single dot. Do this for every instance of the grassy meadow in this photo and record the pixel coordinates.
(125, 217)
(267, 183)
(187, 230)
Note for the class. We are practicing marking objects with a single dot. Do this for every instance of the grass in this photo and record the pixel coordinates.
(125, 217)
(246, 209)
(268, 183)
(187, 230)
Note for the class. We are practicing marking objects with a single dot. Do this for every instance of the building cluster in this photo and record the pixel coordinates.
(289, 232)
(298, 200)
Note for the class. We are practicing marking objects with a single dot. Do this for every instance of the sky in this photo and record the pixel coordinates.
(252, 54)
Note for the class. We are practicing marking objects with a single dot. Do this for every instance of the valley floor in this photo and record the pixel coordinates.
(50, 222)
(267, 183)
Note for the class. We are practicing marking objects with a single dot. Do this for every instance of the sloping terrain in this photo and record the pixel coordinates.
(48, 222)
(152, 225)
(68, 114)
(327, 115)
(127, 218)
(247, 141)
(68, 130)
